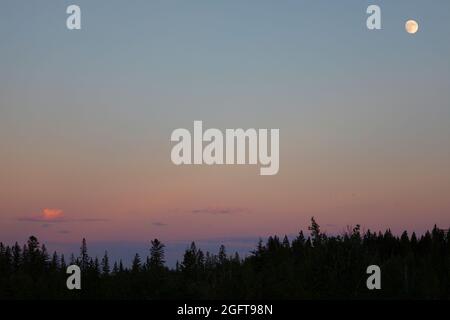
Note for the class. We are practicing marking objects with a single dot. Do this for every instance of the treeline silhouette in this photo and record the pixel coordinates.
(309, 267)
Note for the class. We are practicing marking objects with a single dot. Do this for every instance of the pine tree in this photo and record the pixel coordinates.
(73, 260)
(44, 255)
(17, 257)
(189, 259)
(136, 266)
(105, 265)
(286, 243)
(54, 264)
(259, 249)
(222, 255)
(210, 261)
(156, 255)
(63, 263)
(315, 232)
(115, 269)
(31, 257)
(193, 261)
(8, 259)
(84, 257)
(33, 245)
(5, 260)
(96, 266)
(236, 258)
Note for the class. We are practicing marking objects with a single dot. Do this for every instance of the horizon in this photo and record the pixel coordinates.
(125, 250)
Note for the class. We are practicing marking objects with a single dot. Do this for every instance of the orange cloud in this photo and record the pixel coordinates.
(48, 215)
(52, 214)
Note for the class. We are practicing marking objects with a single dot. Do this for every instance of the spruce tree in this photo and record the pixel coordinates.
(136, 265)
(84, 257)
(156, 254)
(105, 264)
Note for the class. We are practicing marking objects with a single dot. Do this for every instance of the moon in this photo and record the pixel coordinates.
(411, 26)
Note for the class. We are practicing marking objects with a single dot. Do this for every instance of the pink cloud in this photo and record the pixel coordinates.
(217, 210)
(46, 215)
(52, 214)
(49, 215)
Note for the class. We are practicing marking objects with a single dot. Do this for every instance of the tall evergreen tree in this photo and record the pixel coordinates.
(156, 255)
(315, 232)
(54, 265)
(63, 263)
(115, 268)
(84, 257)
(136, 265)
(105, 264)
(222, 255)
(17, 257)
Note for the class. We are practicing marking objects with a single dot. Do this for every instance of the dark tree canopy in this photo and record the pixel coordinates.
(306, 267)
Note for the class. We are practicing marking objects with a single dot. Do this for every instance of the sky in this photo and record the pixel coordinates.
(86, 118)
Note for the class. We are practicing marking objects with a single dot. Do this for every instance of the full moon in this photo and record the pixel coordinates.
(411, 26)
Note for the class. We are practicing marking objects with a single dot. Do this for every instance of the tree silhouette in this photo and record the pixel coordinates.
(320, 266)
(156, 259)
(105, 265)
(115, 268)
(136, 266)
(63, 263)
(315, 232)
(84, 257)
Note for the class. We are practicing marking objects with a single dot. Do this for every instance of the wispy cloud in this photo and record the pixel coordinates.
(219, 211)
(55, 216)
(47, 215)
(88, 220)
(159, 224)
